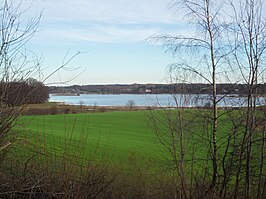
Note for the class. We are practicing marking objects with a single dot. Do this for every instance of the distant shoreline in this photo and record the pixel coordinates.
(179, 88)
(78, 94)
(84, 93)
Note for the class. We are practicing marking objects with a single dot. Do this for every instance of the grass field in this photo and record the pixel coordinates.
(123, 146)
(120, 136)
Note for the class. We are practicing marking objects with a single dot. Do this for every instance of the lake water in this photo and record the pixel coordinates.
(149, 100)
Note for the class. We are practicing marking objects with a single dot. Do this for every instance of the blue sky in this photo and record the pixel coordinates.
(112, 33)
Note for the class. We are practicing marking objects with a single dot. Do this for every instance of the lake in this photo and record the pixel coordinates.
(150, 100)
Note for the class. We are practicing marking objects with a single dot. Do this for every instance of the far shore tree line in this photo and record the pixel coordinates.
(174, 88)
(28, 91)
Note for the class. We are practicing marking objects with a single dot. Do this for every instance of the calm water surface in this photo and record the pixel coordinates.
(149, 100)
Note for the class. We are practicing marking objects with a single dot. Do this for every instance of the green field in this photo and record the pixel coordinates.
(123, 137)
(120, 136)
(124, 145)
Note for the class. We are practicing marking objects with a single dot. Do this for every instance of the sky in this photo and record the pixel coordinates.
(112, 36)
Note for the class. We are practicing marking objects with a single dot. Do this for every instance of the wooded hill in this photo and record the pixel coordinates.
(240, 89)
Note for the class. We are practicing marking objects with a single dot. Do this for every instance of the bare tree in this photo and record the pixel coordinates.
(249, 30)
(206, 15)
(15, 63)
(18, 64)
(226, 47)
(130, 104)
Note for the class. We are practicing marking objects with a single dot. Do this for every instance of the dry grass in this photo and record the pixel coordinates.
(54, 108)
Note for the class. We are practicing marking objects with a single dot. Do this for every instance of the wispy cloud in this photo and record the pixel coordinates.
(103, 20)
(137, 11)
(104, 33)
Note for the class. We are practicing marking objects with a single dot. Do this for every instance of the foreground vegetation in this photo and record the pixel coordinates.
(103, 155)
(120, 154)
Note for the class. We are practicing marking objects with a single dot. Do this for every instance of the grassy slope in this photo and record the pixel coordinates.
(120, 136)
(123, 136)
